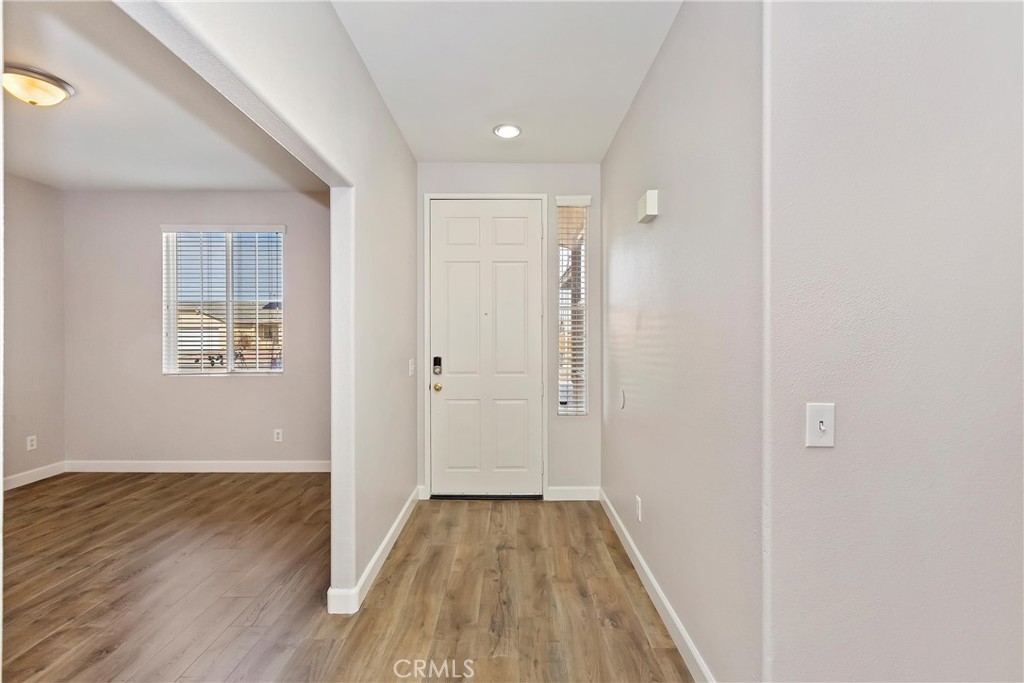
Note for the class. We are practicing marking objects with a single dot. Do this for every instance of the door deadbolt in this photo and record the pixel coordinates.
(437, 365)
(437, 387)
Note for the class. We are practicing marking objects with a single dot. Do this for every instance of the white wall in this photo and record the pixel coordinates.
(892, 285)
(683, 329)
(896, 291)
(120, 405)
(574, 442)
(336, 108)
(34, 325)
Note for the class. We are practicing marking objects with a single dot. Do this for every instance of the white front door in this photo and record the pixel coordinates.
(486, 285)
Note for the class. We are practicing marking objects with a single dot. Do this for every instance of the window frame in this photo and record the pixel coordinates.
(582, 407)
(169, 322)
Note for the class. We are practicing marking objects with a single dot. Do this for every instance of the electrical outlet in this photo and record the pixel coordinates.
(412, 367)
(639, 509)
(278, 435)
(31, 443)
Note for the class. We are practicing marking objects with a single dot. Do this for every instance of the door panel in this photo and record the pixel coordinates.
(463, 434)
(462, 291)
(511, 318)
(486, 325)
(511, 429)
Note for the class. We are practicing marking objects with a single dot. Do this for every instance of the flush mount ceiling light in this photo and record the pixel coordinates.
(507, 131)
(36, 87)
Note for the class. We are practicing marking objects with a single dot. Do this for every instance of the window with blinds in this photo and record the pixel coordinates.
(572, 310)
(223, 302)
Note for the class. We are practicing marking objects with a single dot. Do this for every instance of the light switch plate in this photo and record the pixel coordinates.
(821, 425)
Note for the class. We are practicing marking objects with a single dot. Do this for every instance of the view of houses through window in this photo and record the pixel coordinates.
(572, 310)
(223, 302)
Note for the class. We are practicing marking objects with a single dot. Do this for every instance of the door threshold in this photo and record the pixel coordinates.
(461, 496)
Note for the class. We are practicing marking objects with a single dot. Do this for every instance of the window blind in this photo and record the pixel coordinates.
(572, 310)
(223, 302)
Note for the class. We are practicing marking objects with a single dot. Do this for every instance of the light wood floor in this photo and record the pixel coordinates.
(223, 577)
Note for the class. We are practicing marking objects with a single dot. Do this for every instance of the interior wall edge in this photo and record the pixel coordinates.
(348, 600)
(767, 642)
(170, 31)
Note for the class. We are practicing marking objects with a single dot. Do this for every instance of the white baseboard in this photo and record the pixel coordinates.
(44, 472)
(342, 601)
(552, 493)
(694, 662)
(198, 466)
(349, 600)
(573, 493)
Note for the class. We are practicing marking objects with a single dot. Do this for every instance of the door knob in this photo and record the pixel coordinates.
(437, 387)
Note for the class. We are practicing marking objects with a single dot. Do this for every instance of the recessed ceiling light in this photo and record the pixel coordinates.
(507, 131)
(36, 87)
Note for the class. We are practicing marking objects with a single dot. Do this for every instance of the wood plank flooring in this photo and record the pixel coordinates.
(223, 577)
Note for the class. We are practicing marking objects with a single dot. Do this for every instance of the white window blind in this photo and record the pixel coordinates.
(223, 301)
(572, 308)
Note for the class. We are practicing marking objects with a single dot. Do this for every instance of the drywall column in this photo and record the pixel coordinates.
(343, 494)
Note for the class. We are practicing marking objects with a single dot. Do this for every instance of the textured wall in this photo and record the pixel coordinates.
(33, 325)
(683, 325)
(896, 291)
(120, 405)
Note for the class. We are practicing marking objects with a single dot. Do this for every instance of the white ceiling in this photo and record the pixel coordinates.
(565, 72)
(141, 119)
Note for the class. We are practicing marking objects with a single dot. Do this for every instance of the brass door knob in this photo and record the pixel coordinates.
(437, 387)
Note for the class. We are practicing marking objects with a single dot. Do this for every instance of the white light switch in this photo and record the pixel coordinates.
(821, 425)
(412, 367)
